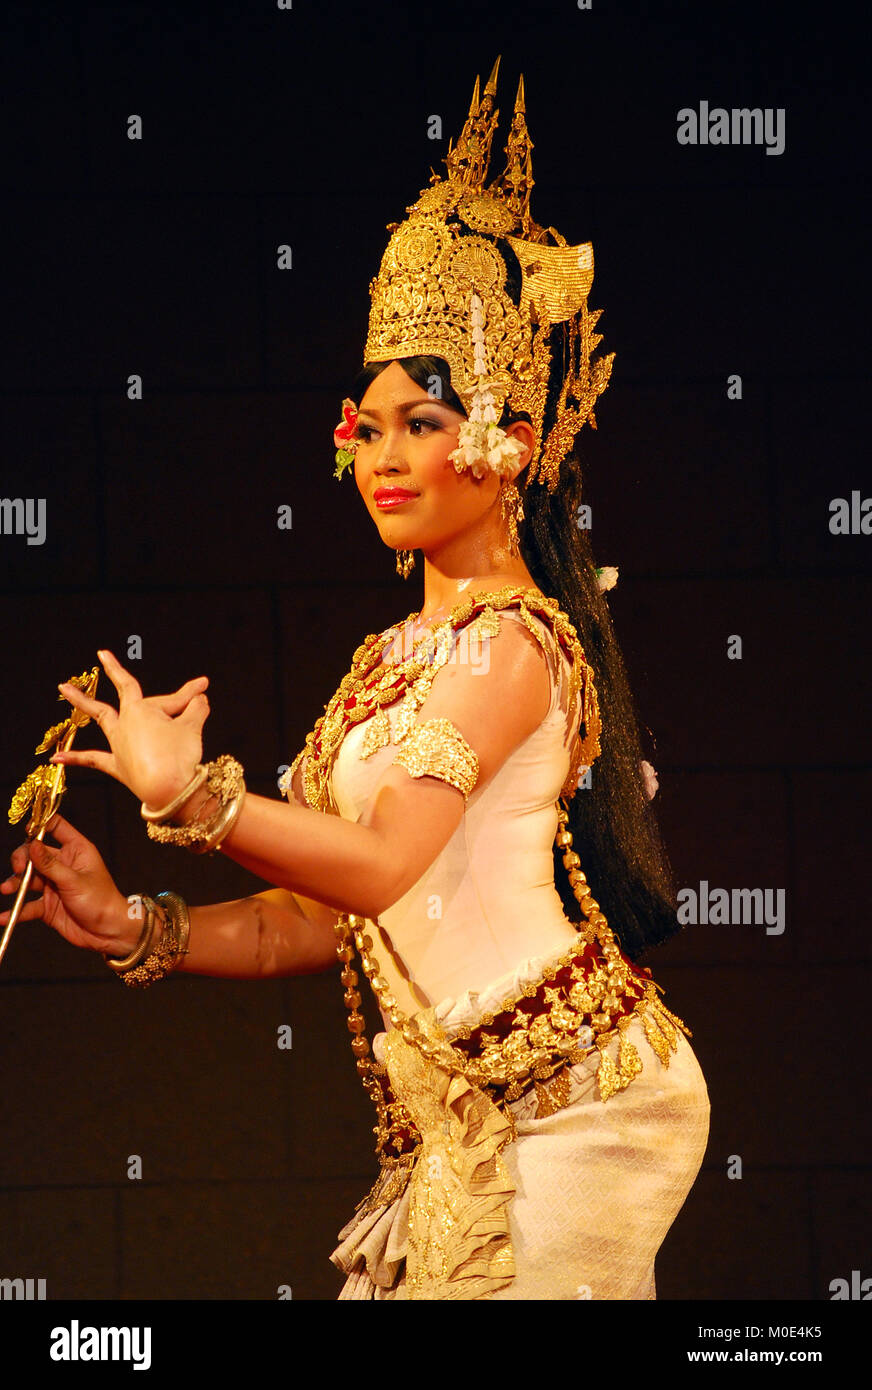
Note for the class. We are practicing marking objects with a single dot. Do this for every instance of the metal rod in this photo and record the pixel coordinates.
(19, 900)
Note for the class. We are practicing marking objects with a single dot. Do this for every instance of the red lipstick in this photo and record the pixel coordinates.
(387, 497)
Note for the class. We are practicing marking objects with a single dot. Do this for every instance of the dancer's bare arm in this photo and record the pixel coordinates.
(364, 865)
(253, 938)
(269, 933)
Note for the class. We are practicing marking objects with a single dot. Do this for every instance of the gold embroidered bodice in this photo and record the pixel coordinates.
(488, 901)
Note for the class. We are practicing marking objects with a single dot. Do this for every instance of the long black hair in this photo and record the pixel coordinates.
(613, 826)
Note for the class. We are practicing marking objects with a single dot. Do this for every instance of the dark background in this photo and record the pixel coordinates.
(308, 127)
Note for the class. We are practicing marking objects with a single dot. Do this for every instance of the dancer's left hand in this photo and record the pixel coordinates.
(156, 741)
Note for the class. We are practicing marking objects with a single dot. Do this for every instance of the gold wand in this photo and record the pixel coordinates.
(44, 787)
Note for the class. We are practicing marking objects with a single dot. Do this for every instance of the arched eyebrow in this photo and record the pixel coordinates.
(407, 407)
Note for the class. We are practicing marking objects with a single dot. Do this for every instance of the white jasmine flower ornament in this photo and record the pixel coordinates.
(483, 445)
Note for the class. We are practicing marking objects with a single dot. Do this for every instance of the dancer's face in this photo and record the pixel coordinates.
(405, 439)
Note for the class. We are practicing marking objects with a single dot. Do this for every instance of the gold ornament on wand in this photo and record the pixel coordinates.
(45, 786)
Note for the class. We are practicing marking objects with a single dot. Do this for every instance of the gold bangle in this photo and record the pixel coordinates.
(177, 908)
(221, 825)
(199, 777)
(225, 780)
(172, 946)
(146, 941)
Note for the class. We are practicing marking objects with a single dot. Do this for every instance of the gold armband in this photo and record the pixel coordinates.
(437, 748)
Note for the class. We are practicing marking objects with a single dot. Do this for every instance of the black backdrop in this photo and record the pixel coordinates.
(157, 257)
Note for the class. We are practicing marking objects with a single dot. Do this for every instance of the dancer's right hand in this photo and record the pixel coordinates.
(76, 894)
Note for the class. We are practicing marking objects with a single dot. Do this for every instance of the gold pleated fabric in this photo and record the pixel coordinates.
(575, 1207)
(450, 1228)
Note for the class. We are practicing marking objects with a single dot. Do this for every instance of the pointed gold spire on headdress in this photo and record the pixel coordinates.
(515, 183)
(469, 159)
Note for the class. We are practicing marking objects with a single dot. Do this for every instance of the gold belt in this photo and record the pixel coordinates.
(587, 999)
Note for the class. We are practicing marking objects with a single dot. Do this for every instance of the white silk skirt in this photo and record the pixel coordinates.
(589, 1191)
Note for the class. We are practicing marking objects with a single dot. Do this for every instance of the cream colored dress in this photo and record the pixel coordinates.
(585, 1195)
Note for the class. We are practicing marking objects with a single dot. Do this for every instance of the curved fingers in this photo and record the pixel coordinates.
(179, 700)
(127, 685)
(37, 884)
(62, 830)
(92, 757)
(30, 911)
(95, 709)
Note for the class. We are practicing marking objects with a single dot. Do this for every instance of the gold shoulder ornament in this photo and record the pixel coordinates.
(437, 748)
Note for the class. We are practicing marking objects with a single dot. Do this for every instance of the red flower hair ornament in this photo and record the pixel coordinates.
(344, 437)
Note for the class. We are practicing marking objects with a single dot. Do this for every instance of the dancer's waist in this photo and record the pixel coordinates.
(530, 1025)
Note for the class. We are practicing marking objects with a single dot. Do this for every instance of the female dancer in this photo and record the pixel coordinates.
(541, 1114)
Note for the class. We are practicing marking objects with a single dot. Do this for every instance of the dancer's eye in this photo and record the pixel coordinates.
(366, 432)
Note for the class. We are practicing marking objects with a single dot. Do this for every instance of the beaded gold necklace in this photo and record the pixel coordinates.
(371, 685)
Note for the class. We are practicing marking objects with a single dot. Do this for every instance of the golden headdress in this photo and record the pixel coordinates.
(442, 290)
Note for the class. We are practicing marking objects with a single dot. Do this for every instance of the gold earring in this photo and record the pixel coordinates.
(405, 562)
(512, 511)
